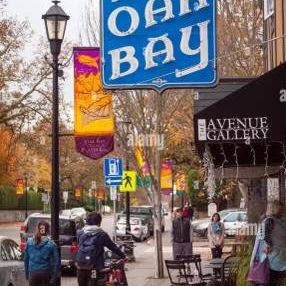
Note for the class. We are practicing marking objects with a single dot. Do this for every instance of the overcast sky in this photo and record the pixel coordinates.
(32, 10)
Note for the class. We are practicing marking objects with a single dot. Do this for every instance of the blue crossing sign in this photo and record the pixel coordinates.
(113, 171)
(158, 43)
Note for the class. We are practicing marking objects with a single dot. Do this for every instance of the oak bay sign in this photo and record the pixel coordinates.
(158, 43)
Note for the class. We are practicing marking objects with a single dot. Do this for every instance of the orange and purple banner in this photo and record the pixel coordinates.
(142, 163)
(20, 187)
(94, 122)
(181, 185)
(166, 181)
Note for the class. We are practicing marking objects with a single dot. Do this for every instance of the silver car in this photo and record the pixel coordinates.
(11, 267)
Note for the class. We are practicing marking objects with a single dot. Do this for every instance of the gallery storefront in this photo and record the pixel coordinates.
(243, 133)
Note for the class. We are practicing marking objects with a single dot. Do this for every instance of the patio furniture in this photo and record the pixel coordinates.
(179, 275)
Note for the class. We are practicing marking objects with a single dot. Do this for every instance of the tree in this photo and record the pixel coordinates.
(240, 38)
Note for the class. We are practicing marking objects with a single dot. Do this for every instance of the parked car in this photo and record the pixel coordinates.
(233, 220)
(146, 212)
(12, 271)
(81, 212)
(139, 228)
(68, 227)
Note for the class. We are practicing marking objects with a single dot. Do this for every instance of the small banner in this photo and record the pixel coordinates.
(143, 165)
(129, 182)
(94, 122)
(100, 194)
(180, 182)
(166, 180)
(20, 186)
(78, 192)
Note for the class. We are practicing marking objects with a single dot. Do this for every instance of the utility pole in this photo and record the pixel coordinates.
(159, 269)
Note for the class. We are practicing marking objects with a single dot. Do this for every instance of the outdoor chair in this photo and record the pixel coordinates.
(196, 260)
(178, 274)
(229, 271)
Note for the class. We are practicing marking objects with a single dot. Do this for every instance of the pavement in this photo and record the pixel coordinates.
(142, 271)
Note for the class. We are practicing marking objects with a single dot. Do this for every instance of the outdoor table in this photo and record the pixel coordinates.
(237, 245)
(216, 265)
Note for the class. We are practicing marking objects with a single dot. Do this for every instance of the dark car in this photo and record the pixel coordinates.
(68, 227)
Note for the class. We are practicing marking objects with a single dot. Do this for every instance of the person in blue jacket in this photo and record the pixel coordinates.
(271, 241)
(42, 263)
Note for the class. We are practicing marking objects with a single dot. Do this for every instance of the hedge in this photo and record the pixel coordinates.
(10, 201)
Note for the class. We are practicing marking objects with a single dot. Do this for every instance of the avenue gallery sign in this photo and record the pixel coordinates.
(158, 43)
(233, 129)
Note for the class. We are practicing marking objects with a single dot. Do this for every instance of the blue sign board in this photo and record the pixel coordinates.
(113, 171)
(158, 43)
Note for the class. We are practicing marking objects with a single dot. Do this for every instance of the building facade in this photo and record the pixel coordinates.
(274, 32)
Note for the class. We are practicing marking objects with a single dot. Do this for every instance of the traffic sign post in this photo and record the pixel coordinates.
(162, 45)
(113, 170)
(113, 197)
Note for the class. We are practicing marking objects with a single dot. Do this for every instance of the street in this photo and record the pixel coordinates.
(139, 272)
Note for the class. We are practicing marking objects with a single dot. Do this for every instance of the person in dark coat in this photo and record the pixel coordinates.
(182, 235)
(101, 240)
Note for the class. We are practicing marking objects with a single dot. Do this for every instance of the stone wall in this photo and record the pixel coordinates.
(14, 216)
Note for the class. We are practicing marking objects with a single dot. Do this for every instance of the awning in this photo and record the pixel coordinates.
(248, 126)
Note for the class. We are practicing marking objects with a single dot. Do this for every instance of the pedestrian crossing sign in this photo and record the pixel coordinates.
(129, 181)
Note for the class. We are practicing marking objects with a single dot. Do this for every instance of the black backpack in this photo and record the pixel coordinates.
(87, 251)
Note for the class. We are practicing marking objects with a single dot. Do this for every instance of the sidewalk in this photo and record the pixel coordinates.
(141, 272)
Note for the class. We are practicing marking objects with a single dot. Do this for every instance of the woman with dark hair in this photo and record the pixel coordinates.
(42, 265)
(216, 236)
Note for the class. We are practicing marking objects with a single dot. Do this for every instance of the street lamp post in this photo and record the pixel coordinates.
(55, 23)
(26, 196)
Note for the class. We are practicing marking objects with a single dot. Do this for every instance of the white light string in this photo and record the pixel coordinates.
(236, 160)
(218, 58)
(266, 160)
(209, 172)
(284, 154)
(223, 163)
(252, 151)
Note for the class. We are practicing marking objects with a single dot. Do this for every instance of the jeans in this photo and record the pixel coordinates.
(39, 279)
(216, 252)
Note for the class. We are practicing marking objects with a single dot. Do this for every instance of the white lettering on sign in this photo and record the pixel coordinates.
(229, 129)
(283, 95)
(202, 50)
(117, 60)
(134, 21)
(149, 12)
(127, 54)
(150, 54)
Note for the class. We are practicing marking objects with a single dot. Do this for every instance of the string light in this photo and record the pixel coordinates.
(209, 172)
(220, 57)
(284, 154)
(223, 163)
(266, 159)
(252, 151)
(236, 160)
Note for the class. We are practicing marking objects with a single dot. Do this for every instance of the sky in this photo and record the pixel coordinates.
(32, 11)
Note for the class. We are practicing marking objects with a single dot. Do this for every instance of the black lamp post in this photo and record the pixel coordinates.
(55, 22)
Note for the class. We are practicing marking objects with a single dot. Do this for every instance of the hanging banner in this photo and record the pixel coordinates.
(181, 183)
(166, 181)
(20, 186)
(143, 165)
(78, 192)
(94, 122)
(100, 194)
